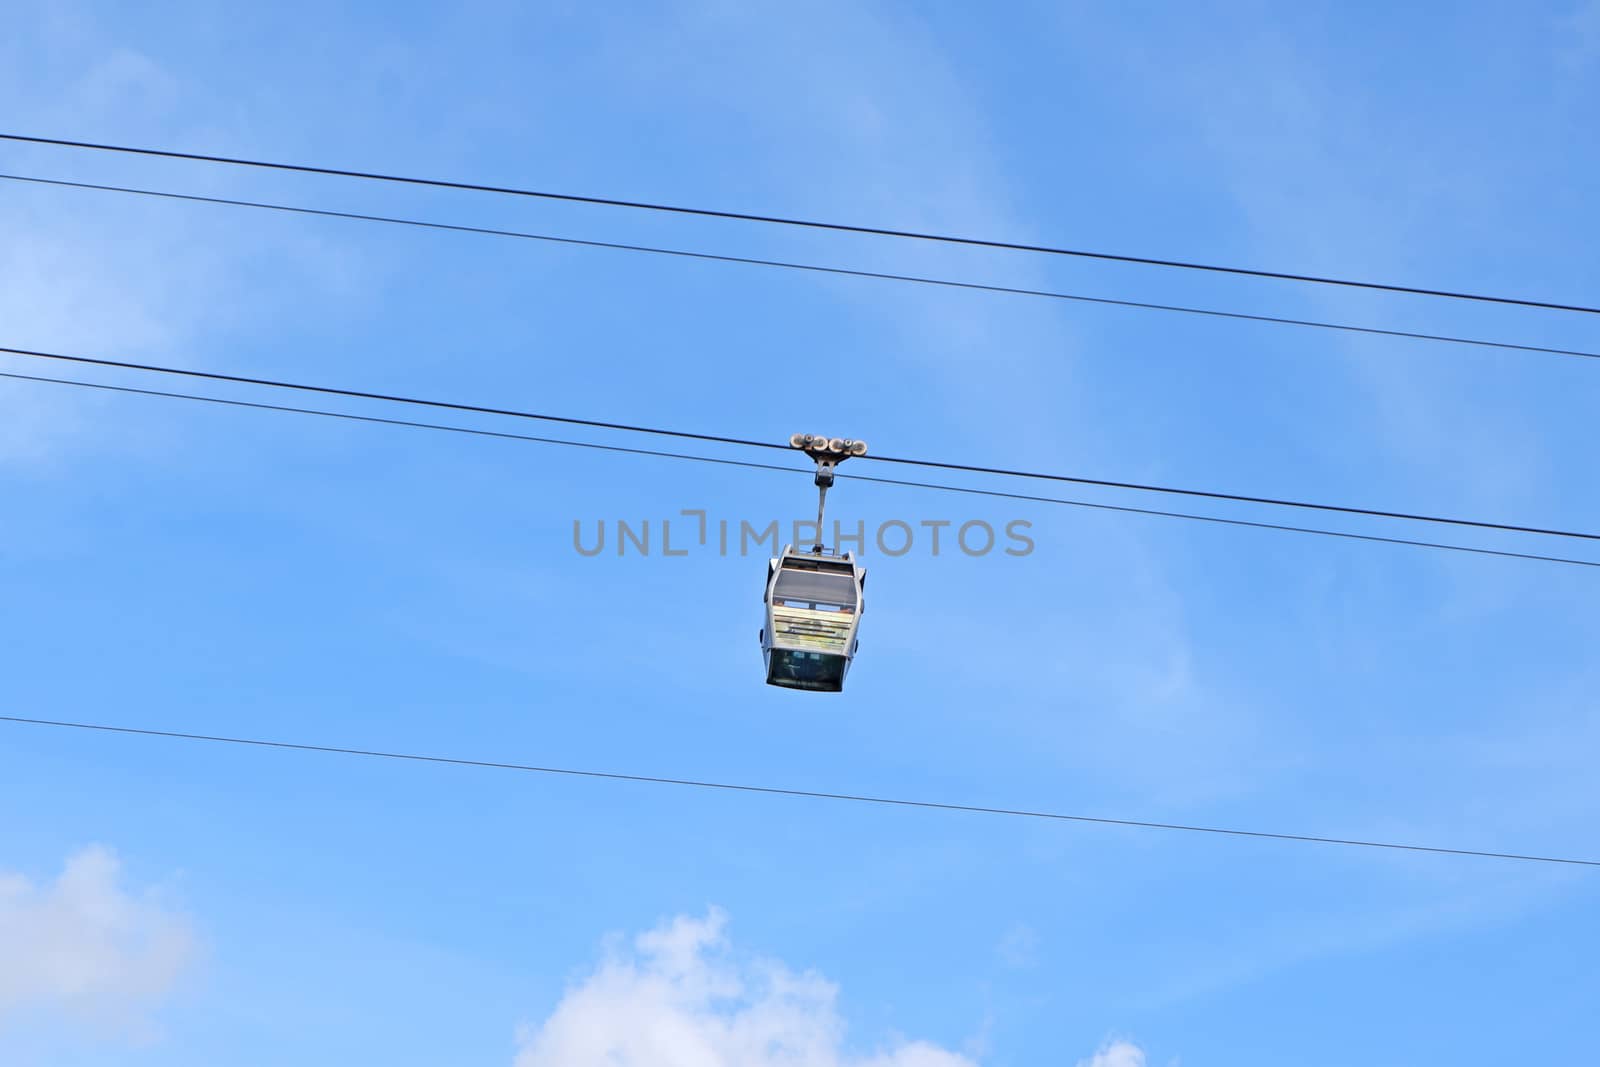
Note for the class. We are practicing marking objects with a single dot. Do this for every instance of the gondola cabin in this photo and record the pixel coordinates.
(814, 605)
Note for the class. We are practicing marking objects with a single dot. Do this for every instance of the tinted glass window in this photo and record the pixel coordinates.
(816, 587)
(806, 670)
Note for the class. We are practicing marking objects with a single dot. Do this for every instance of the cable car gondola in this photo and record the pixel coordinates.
(814, 599)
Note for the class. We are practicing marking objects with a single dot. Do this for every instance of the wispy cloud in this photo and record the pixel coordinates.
(864, 115)
(1019, 947)
(1283, 943)
(1582, 43)
(86, 273)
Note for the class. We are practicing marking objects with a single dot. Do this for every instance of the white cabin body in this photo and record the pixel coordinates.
(813, 609)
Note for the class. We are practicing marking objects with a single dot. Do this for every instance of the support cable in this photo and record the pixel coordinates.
(1241, 498)
(811, 224)
(993, 493)
(817, 268)
(805, 794)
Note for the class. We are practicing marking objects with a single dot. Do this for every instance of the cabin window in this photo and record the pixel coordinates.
(799, 588)
(806, 670)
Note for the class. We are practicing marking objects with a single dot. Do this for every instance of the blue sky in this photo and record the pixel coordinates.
(193, 568)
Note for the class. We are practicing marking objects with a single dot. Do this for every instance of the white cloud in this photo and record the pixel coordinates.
(680, 999)
(1116, 1054)
(86, 947)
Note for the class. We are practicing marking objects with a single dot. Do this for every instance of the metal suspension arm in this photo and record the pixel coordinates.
(828, 452)
(822, 502)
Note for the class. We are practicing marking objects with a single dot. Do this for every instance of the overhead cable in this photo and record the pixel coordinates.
(745, 442)
(812, 224)
(816, 268)
(358, 394)
(805, 794)
(968, 490)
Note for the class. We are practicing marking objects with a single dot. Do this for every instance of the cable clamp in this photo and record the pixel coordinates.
(828, 452)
